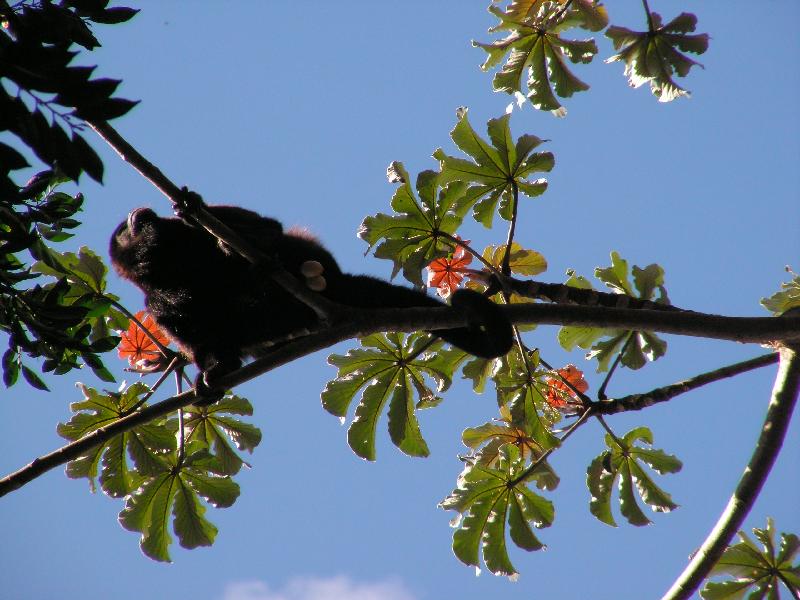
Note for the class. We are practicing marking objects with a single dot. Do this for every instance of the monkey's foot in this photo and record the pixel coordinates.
(313, 271)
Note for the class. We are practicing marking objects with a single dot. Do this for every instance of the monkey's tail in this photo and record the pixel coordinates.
(488, 333)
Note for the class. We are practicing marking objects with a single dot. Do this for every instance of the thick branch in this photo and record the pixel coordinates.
(781, 405)
(668, 392)
(760, 330)
(349, 325)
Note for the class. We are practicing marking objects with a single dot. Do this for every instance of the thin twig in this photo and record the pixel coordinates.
(529, 471)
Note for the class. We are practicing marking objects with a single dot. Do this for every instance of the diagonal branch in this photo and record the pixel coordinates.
(178, 197)
(668, 392)
(779, 412)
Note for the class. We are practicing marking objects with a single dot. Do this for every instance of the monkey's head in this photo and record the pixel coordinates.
(144, 247)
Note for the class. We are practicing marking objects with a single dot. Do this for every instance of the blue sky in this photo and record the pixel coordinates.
(295, 111)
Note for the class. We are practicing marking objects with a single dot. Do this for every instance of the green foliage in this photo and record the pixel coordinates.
(175, 490)
(655, 55)
(786, 299)
(487, 440)
(494, 502)
(637, 347)
(156, 475)
(391, 368)
(535, 44)
(35, 41)
(498, 167)
(758, 572)
(412, 237)
(126, 460)
(214, 428)
(624, 462)
(66, 321)
(522, 386)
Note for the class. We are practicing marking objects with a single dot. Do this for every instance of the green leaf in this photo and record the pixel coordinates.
(33, 379)
(653, 56)
(147, 511)
(215, 430)
(524, 393)
(144, 445)
(176, 492)
(85, 269)
(534, 44)
(787, 298)
(488, 440)
(522, 261)
(496, 168)
(758, 570)
(623, 462)
(391, 371)
(411, 238)
(491, 505)
(640, 346)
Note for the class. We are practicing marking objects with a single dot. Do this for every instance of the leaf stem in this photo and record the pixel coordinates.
(535, 464)
(601, 393)
(650, 26)
(506, 265)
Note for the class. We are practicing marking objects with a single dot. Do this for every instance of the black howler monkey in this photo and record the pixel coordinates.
(219, 308)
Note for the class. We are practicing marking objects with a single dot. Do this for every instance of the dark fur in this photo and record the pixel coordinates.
(219, 309)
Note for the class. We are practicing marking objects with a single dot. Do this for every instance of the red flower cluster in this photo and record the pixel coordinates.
(136, 346)
(445, 274)
(559, 394)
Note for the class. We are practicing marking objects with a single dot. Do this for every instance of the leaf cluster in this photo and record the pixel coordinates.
(758, 572)
(65, 320)
(535, 44)
(165, 471)
(635, 348)
(35, 59)
(625, 462)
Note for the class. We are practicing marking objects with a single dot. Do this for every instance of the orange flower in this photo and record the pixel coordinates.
(559, 394)
(445, 274)
(136, 346)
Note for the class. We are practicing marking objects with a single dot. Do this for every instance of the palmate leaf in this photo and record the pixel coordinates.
(390, 371)
(491, 507)
(588, 14)
(175, 491)
(535, 44)
(655, 56)
(211, 427)
(144, 445)
(643, 346)
(487, 440)
(758, 571)
(624, 462)
(494, 166)
(411, 237)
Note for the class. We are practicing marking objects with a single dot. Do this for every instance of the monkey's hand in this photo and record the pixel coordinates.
(206, 387)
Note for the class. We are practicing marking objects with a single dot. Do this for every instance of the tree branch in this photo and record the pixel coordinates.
(760, 330)
(668, 392)
(779, 412)
(363, 322)
(214, 226)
